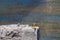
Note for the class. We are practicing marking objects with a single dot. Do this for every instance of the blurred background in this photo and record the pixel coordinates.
(46, 13)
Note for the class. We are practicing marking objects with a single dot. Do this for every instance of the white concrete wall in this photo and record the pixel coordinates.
(7, 31)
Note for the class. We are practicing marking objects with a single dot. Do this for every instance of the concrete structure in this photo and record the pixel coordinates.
(18, 32)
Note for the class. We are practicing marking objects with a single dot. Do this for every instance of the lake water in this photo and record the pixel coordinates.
(48, 11)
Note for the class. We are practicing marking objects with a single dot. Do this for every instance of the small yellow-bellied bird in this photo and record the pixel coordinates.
(34, 25)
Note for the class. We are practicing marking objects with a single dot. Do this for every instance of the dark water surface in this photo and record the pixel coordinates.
(44, 12)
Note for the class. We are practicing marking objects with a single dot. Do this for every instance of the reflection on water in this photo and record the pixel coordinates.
(45, 12)
(51, 31)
